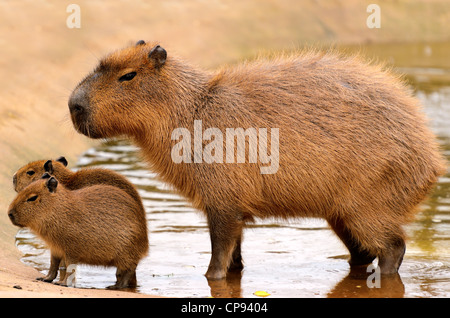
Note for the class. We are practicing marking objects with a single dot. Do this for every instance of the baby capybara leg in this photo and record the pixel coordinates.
(391, 258)
(53, 271)
(225, 230)
(358, 255)
(62, 271)
(67, 275)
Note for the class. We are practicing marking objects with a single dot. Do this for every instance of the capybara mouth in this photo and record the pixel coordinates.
(83, 127)
(81, 113)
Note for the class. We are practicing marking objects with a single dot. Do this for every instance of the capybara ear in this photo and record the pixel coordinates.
(158, 55)
(46, 176)
(52, 183)
(48, 166)
(140, 42)
(63, 160)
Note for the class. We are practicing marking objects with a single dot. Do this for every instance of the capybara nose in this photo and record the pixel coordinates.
(78, 102)
(11, 215)
(76, 108)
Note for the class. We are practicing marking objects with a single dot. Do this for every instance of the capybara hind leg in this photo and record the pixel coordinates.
(358, 255)
(390, 259)
(225, 230)
(125, 278)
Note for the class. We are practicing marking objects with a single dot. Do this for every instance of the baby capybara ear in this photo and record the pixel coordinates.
(52, 183)
(46, 176)
(48, 166)
(140, 42)
(158, 55)
(63, 160)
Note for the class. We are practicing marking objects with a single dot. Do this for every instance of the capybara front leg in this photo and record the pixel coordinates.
(225, 230)
(390, 260)
(236, 258)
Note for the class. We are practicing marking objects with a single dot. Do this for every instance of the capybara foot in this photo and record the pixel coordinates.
(114, 287)
(49, 277)
(215, 273)
(218, 272)
(45, 279)
(124, 279)
(117, 287)
(390, 261)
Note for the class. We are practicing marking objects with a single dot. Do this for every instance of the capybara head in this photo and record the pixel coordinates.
(125, 81)
(34, 171)
(33, 202)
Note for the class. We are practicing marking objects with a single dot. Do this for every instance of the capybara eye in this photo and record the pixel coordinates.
(30, 173)
(127, 77)
(33, 198)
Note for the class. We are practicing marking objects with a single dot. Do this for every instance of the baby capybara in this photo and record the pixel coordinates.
(73, 181)
(353, 145)
(95, 225)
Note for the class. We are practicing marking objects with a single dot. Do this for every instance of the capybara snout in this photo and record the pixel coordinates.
(79, 111)
(78, 102)
(11, 215)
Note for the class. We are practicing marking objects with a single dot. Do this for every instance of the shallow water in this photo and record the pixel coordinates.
(285, 259)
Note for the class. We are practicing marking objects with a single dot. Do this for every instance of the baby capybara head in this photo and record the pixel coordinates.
(125, 81)
(33, 202)
(34, 171)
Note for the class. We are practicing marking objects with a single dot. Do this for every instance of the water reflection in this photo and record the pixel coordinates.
(360, 284)
(226, 288)
(357, 284)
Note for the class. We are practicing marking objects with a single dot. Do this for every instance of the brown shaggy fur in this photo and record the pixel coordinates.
(96, 225)
(73, 180)
(354, 145)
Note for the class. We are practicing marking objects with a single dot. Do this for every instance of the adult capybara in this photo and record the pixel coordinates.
(353, 145)
(96, 225)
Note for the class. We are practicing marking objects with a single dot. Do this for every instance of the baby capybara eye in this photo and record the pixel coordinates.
(30, 173)
(33, 198)
(127, 77)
